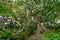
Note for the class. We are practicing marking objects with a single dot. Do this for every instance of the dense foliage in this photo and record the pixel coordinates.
(30, 15)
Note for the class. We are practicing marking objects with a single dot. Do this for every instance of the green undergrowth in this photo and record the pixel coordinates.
(5, 33)
(51, 36)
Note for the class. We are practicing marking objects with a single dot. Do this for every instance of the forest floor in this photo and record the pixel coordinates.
(35, 36)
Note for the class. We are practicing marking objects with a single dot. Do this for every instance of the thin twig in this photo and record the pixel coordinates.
(15, 34)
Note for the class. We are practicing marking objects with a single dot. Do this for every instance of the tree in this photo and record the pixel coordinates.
(44, 13)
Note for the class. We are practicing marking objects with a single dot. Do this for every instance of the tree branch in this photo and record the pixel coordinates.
(15, 34)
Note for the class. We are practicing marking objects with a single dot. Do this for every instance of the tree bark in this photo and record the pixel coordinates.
(40, 25)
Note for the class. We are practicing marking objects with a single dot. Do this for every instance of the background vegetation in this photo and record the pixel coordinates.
(30, 20)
